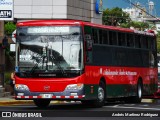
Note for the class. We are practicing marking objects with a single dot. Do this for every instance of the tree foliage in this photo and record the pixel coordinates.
(158, 42)
(137, 25)
(9, 27)
(115, 16)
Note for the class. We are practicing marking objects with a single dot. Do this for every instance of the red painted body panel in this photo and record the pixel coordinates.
(49, 22)
(56, 84)
(119, 75)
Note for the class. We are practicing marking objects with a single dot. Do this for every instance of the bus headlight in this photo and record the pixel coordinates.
(74, 86)
(21, 87)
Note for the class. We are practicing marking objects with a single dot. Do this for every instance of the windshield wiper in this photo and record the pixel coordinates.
(38, 61)
(57, 63)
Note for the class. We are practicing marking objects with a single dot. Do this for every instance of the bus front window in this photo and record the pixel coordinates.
(48, 49)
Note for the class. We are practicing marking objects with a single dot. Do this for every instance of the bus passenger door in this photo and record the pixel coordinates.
(88, 51)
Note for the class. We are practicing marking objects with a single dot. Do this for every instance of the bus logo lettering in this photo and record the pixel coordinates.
(46, 88)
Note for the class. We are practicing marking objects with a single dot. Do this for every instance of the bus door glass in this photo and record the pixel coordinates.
(88, 43)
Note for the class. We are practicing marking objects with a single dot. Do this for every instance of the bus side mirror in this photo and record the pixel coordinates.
(12, 47)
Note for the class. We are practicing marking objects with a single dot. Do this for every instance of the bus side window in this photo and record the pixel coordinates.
(121, 57)
(89, 45)
(144, 42)
(153, 47)
(105, 37)
(89, 34)
(151, 43)
(137, 41)
(95, 35)
(100, 37)
(121, 39)
(130, 40)
(151, 59)
(112, 38)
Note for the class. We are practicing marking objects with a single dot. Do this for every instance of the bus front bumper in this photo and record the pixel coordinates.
(65, 95)
(48, 96)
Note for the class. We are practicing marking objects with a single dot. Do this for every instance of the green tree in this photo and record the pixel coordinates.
(139, 25)
(9, 27)
(115, 16)
(158, 42)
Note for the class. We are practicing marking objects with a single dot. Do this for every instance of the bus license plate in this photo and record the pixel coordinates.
(46, 95)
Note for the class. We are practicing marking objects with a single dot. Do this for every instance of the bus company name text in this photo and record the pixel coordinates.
(109, 72)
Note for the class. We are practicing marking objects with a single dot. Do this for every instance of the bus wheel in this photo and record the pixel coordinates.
(138, 98)
(42, 103)
(101, 95)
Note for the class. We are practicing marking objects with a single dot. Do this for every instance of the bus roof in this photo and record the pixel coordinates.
(49, 22)
(79, 22)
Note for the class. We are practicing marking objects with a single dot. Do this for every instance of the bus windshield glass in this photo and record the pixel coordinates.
(49, 48)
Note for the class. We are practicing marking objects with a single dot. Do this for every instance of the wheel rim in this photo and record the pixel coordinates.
(100, 94)
(139, 91)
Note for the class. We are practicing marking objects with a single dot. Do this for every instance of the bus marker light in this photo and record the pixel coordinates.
(76, 23)
(92, 90)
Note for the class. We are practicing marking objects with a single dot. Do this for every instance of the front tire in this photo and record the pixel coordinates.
(101, 95)
(100, 101)
(42, 103)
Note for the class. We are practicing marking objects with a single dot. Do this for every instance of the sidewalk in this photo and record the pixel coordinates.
(10, 101)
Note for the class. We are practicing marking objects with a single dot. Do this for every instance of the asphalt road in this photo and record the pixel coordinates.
(77, 106)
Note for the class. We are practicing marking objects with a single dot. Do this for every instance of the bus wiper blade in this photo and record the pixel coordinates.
(35, 66)
(56, 61)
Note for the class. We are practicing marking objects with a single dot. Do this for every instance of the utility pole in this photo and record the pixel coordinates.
(2, 54)
(1, 28)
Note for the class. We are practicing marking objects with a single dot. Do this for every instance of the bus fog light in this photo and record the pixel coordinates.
(21, 87)
(74, 86)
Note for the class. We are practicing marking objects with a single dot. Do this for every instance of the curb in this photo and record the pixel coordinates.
(148, 100)
(12, 102)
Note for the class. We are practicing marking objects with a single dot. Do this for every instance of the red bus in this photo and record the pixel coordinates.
(81, 61)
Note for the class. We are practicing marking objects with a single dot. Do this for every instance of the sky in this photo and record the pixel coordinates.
(124, 4)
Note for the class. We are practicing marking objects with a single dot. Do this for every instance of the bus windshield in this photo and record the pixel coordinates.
(49, 48)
